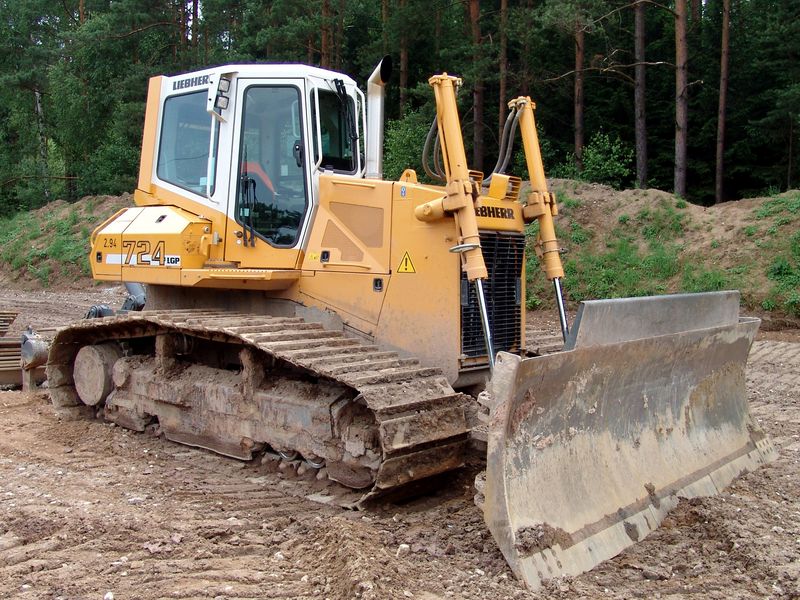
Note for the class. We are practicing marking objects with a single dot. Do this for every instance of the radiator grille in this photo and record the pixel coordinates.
(503, 254)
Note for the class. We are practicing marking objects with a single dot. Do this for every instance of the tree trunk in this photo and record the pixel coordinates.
(403, 62)
(195, 27)
(503, 64)
(524, 76)
(325, 35)
(723, 95)
(791, 149)
(37, 106)
(578, 95)
(71, 184)
(385, 23)
(639, 96)
(681, 98)
(478, 89)
(183, 15)
(82, 12)
(437, 32)
(696, 12)
(338, 41)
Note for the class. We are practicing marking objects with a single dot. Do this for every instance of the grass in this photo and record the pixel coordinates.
(622, 270)
(783, 271)
(639, 259)
(49, 242)
(663, 222)
(641, 256)
(651, 250)
(786, 204)
(577, 234)
(568, 202)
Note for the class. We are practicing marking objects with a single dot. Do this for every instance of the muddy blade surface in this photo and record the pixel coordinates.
(590, 448)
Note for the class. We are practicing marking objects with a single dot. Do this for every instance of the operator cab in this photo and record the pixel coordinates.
(246, 143)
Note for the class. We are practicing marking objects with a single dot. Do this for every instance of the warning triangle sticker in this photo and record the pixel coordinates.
(406, 266)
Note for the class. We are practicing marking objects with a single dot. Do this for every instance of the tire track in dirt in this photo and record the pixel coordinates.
(90, 524)
(93, 508)
(86, 508)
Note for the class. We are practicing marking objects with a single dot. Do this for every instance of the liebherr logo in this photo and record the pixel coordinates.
(494, 212)
(190, 82)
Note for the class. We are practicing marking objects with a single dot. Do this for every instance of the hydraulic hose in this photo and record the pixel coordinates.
(434, 173)
(507, 154)
(503, 141)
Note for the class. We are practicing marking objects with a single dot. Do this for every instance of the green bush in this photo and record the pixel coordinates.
(405, 139)
(566, 169)
(607, 161)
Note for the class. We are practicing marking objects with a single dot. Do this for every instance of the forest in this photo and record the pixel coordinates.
(698, 97)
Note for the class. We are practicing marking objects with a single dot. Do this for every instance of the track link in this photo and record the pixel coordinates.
(418, 418)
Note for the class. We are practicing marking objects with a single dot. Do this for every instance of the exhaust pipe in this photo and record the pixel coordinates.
(375, 102)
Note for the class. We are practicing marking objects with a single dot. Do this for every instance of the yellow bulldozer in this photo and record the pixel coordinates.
(298, 302)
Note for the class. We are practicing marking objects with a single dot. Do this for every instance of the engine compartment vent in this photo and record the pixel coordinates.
(504, 254)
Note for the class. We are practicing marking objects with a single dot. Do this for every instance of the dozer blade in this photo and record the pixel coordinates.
(590, 448)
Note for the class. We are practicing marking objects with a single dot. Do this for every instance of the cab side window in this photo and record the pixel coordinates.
(183, 148)
(337, 142)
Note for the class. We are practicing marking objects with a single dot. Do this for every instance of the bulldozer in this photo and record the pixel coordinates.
(300, 303)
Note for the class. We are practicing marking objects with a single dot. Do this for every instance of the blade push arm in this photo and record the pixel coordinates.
(541, 205)
(462, 192)
(460, 197)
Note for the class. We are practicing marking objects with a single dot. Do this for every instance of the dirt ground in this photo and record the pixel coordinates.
(89, 510)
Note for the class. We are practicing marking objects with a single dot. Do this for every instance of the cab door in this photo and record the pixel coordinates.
(270, 199)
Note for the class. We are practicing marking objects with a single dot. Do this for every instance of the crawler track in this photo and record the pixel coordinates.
(417, 420)
(9, 351)
(6, 318)
(9, 361)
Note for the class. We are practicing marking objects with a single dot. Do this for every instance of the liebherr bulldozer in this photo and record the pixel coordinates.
(298, 302)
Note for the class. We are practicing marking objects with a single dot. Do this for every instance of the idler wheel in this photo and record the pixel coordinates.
(92, 372)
